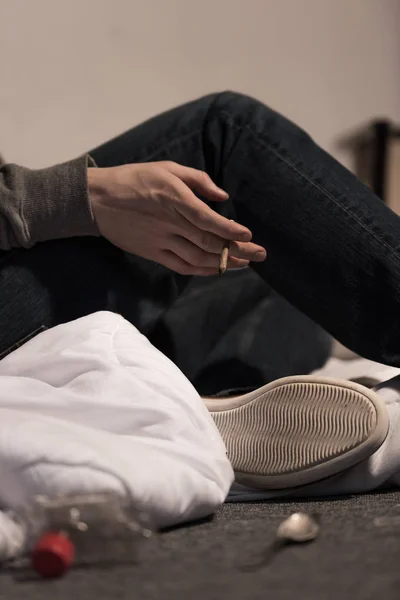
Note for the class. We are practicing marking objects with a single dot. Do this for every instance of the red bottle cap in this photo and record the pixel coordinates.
(53, 555)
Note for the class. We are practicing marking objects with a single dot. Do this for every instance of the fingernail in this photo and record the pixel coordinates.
(223, 192)
(260, 256)
(245, 236)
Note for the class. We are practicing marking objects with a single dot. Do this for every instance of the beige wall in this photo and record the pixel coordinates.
(76, 72)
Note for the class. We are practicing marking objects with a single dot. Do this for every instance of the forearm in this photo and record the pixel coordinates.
(44, 204)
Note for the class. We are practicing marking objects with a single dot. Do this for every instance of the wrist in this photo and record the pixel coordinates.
(95, 184)
(98, 192)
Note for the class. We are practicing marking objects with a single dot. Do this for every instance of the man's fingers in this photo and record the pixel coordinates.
(214, 244)
(203, 217)
(247, 251)
(197, 257)
(198, 181)
(179, 265)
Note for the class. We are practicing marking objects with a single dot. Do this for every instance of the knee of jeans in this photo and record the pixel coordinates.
(243, 110)
(241, 107)
(230, 96)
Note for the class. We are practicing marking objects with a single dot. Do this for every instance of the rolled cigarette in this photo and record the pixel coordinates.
(223, 261)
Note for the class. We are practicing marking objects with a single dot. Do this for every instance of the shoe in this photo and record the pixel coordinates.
(299, 430)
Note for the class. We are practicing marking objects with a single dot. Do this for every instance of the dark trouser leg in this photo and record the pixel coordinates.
(59, 281)
(333, 246)
(236, 333)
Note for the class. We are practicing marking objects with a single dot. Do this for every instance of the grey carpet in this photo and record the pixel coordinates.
(357, 556)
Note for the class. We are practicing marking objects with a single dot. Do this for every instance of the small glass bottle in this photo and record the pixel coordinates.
(92, 529)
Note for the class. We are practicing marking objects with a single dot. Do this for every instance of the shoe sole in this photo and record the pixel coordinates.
(299, 430)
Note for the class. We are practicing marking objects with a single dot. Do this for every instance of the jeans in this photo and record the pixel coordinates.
(332, 266)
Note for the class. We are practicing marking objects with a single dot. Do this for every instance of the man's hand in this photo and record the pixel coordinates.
(149, 209)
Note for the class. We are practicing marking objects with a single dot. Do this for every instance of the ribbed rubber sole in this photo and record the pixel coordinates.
(299, 430)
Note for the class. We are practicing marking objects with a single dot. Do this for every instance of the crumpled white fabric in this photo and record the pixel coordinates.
(91, 406)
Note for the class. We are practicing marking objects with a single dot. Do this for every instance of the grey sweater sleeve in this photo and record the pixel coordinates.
(45, 204)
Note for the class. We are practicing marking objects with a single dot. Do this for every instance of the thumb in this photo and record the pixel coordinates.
(198, 181)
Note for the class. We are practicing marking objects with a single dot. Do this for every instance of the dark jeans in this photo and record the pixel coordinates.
(332, 253)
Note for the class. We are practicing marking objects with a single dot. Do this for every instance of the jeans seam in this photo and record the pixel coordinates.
(269, 146)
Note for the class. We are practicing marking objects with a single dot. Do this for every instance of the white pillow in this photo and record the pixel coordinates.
(90, 406)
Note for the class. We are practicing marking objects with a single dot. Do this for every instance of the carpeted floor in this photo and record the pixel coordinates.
(357, 556)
